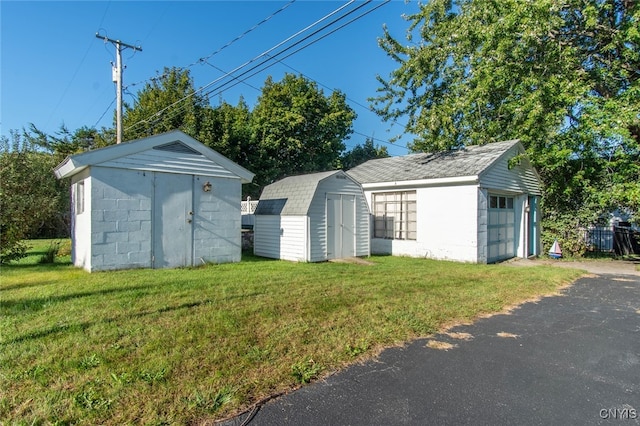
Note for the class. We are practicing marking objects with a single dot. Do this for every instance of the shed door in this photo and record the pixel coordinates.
(341, 234)
(501, 228)
(172, 221)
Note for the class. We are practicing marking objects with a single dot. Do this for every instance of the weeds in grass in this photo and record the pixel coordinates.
(90, 399)
(89, 362)
(305, 371)
(152, 377)
(357, 349)
(49, 256)
(211, 402)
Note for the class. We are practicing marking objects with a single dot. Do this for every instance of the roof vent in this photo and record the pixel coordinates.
(177, 147)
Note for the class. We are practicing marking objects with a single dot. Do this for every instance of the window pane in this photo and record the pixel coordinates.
(503, 202)
(493, 202)
(395, 215)
(509, 202)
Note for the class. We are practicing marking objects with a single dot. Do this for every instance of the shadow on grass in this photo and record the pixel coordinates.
(248, 256)
(36, 265)
(82, 326)
(28, 285)
(18, 306)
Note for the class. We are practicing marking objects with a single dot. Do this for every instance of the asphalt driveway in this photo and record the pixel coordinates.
(569, 359)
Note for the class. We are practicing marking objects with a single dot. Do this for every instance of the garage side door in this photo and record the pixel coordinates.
(501, 228)
(172, 237)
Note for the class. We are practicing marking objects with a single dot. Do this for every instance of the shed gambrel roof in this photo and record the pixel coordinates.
(469, 161)
(292, 195)
(172, 152)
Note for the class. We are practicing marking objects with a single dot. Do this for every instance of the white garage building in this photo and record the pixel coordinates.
(479, 204)
(312, 218)
(160, 202)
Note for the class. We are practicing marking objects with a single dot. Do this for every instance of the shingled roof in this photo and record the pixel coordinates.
(469, 161)
(292, 195)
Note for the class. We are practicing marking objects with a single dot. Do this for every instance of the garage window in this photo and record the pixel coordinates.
(395, 215)
(80, 197)
(500, 202)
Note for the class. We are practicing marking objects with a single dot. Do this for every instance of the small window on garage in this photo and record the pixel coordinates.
(500, 202)
(80, 197)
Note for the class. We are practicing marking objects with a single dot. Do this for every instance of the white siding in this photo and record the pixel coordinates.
(81, 222)
(520, 179)
(281, 237)
(120, 212)
(446, 229)
(216, 222)
(318, 217)
(171, 162)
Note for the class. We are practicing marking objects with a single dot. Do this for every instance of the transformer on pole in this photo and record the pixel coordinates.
(117, 78)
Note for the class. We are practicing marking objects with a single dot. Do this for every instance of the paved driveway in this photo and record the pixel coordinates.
(570, 359)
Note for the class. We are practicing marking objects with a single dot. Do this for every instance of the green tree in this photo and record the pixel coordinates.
(64, 142)
(31, 199)
(297, 129)
(563, 77)
(226, 129)
(362, 153)
(166, 103)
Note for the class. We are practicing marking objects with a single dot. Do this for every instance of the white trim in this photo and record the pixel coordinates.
(422, 182)
(77, 163)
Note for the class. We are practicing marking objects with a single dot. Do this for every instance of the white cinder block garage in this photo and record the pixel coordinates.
(312, 218)
(160, 202)
(478, 204)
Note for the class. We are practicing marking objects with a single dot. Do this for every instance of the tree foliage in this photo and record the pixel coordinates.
(31, 199)
(297, 129)
(362, 153)
(563, 77)
(166, 103)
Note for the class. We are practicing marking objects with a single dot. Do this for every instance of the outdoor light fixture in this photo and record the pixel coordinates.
(206, 187)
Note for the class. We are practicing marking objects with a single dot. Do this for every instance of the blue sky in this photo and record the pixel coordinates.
(55, 71)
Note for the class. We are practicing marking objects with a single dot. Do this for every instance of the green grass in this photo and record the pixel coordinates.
(187, 345)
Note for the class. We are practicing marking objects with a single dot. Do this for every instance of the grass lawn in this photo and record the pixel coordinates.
(188, 345)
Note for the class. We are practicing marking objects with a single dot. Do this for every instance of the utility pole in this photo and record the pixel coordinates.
(117, 78)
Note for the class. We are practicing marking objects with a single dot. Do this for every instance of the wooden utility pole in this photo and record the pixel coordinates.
(117, 78)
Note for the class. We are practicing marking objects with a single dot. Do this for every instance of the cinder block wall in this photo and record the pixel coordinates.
(217, 222)
(121, 218)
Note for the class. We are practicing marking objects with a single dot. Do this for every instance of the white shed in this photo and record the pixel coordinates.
(479, 204)
(160, 202)
(312, 218)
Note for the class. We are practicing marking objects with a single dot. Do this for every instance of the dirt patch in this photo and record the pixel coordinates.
(615, 267)
(459, 335)
(443, 346)
(507, 335)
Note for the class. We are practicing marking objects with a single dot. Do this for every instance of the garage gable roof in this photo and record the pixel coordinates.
(469, 161)
(173, 152)
(292, 195)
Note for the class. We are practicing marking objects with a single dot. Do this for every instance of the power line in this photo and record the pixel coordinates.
(206, 58)
(357, 103)
(105, 111)
(271, 58)
(266, 53)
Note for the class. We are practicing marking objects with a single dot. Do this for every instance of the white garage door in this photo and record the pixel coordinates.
(501, 228)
